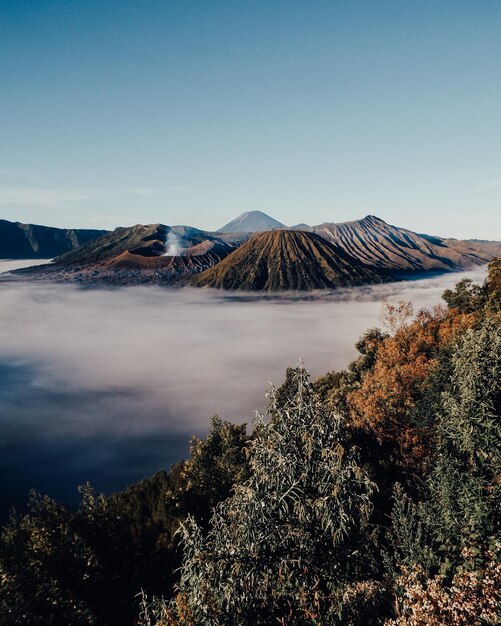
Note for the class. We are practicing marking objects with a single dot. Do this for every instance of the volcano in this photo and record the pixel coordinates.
(251, 222)
(283, 260)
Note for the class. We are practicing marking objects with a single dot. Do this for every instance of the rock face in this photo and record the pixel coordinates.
(29, 241)
(287, 260)
(382, 246)
(251, 222)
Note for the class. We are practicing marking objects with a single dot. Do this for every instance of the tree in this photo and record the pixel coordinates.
(493, 288)
(215, 465)
(466, 296)
(445, 545)
(291, 545)
(46, 569)
(334, 387)
(385, 401)
(465, 492)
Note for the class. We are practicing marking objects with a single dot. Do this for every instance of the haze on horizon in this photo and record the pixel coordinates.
(120, 112)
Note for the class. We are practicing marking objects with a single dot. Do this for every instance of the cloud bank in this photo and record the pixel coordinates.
(118, 379)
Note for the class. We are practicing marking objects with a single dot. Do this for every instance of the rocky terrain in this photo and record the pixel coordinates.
(30, 241)
(261, 254)
(141, 254)
(378, 244)
(283, 260)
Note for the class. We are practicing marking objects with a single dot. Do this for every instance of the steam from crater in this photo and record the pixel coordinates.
(173, 245)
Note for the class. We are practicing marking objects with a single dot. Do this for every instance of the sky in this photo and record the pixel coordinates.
(192, 112)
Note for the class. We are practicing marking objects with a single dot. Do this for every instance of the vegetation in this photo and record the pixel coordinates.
(59, 567)
(291, 536)
(369, 496)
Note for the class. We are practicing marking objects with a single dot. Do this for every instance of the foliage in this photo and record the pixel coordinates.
(455, 529)
(370, 496)
(493, 288)
(472, 598)
(334, 387)
(464, 480)
(59, 567)
(289, 542)
(384, 402)
(466, 296)
(43, 561)
(216, 463)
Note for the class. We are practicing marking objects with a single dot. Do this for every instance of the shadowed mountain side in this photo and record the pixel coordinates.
(30, 241)
(383, 246)
(283, 260)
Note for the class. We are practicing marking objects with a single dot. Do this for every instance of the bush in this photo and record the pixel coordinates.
(292, 542)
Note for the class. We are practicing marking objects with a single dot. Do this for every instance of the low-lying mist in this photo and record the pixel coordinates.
(107, 385)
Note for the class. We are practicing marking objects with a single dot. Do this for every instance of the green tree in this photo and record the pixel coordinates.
(455, 528)
(466, 296)
(291, 545)
(216, 464)
(464, 482)
(46, 569)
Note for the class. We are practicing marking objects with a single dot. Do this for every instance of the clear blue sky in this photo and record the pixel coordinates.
(114, 112)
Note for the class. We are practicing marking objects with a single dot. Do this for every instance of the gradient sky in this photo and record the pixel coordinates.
(114, 112)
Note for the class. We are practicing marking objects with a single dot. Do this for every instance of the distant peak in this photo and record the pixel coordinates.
(371, 219)
(252, 222)
(254, 213)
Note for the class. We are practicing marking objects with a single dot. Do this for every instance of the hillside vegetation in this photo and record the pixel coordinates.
(369, 496)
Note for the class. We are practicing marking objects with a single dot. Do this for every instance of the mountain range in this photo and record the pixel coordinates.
(31, 241)
(257, 253)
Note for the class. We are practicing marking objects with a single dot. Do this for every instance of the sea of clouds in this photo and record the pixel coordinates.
(108, 384)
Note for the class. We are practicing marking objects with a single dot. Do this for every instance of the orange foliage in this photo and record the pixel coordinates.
(388, 391)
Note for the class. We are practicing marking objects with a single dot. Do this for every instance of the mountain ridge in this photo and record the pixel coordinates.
(164, 255)
(34, 241)
(377, 243)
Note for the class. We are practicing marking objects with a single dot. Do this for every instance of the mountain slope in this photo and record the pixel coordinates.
(319, 257)
(287, 260)
(30, 241)
(141, 254)
(374, 242)
(251, 222)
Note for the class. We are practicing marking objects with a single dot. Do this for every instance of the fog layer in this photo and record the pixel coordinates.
(107, 385)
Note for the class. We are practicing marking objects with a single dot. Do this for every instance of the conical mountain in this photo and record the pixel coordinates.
(251, 222)
(283, 260)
